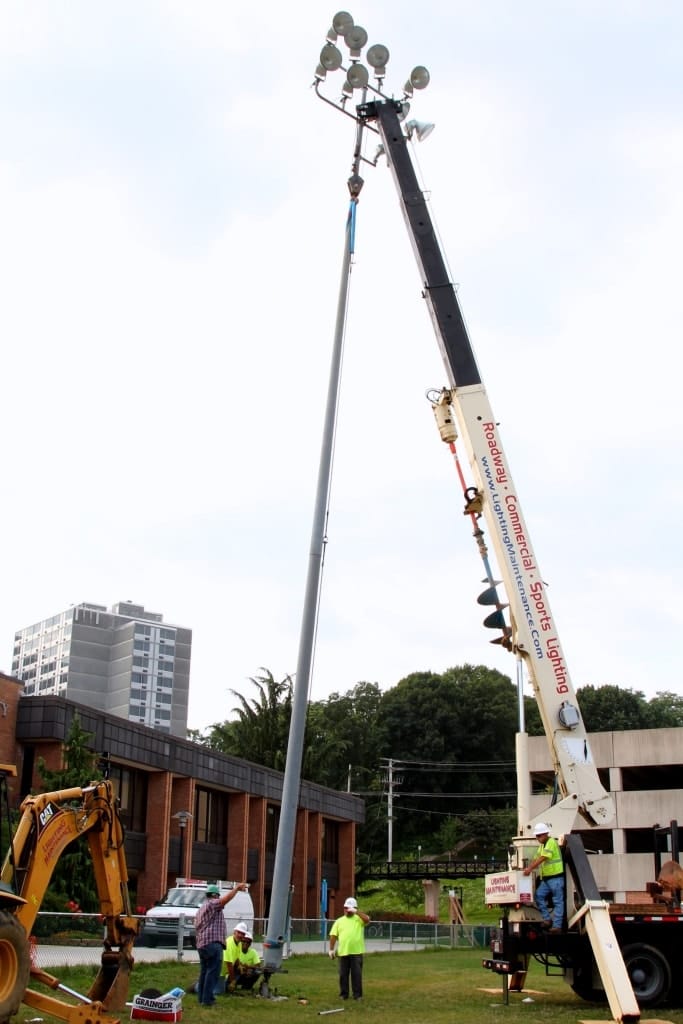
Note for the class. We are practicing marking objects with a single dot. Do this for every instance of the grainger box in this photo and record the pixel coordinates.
(508, 887)
(166, 1008)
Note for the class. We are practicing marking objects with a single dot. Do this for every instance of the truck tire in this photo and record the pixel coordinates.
(15, 965)
(649, 972)
(583, 982)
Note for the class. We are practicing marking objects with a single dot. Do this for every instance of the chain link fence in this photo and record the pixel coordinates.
(67, 940)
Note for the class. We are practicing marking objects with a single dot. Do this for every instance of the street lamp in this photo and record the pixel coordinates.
(357, 80)
(182, 817)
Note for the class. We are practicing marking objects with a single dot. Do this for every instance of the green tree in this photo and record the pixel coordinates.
(665, 710)
(73, 878)
(341, 737)
(485, 832)
(260, 731)
(532, 717)
(612, 708)
(455, 734)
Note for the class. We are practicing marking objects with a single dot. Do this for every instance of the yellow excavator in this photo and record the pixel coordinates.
(48, 823)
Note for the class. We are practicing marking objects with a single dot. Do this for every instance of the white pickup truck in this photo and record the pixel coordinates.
(163, 920)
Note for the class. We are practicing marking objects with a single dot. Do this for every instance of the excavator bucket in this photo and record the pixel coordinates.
(111, 986)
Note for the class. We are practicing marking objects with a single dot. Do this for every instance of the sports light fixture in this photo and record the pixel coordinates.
(330, 57)
(357, 76)
(355, 38)
(419, 129)
(341, 21)
(419, 77)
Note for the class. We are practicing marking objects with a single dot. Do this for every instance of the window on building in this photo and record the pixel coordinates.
(210, 816)
(330, 842)
(272, 826)
(598, 840)
(639, 840)
(131, 790)
(652, 777)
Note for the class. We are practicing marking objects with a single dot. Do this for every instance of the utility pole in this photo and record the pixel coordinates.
(390, 814)
(391, 781)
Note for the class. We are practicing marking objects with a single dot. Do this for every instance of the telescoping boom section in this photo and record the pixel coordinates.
(521, 614)
(464, 408)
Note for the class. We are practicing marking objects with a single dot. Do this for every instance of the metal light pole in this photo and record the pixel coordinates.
(357, 78)
(279, 903)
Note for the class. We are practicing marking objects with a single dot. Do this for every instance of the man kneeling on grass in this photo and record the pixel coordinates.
(247, 967)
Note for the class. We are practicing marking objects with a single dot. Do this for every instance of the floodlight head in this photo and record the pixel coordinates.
(355, 38)
(330, 57)
(377, 57)
(419, 129)
(347, 90)
(419, 77)
(379, 153)
(357, 76)
(331, 35)
(341, 21)
(320, 73)
(404, 110)
(408, 88)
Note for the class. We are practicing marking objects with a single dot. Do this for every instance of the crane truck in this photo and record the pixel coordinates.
(48, 822)
(599, 959)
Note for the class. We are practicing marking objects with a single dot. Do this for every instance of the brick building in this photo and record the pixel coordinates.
(162, 779)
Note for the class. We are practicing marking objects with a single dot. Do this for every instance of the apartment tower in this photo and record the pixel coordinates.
(125, 661)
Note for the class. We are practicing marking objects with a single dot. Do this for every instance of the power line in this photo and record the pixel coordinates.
(449, 764)
(437, 796)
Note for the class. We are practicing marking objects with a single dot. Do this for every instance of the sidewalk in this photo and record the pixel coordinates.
(71, 956)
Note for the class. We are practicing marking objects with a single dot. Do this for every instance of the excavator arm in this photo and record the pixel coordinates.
(49, 822)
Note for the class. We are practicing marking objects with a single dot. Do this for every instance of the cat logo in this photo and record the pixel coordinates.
(46, 815)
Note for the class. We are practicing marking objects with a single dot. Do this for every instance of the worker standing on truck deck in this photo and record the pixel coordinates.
(347, 941)
(210, 933)
(549, 859)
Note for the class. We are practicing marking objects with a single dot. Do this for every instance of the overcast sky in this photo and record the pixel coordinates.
(172, 207)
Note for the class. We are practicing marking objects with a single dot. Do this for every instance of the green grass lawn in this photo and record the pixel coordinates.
(424, 987)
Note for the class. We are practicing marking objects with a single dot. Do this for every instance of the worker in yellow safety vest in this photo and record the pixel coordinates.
(551, 886)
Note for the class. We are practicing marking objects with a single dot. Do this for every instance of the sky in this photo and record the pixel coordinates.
(173, 199)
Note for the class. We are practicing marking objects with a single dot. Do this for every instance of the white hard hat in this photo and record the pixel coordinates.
(247, 935)
(240, 927)
(541, 829)
(350, 904)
